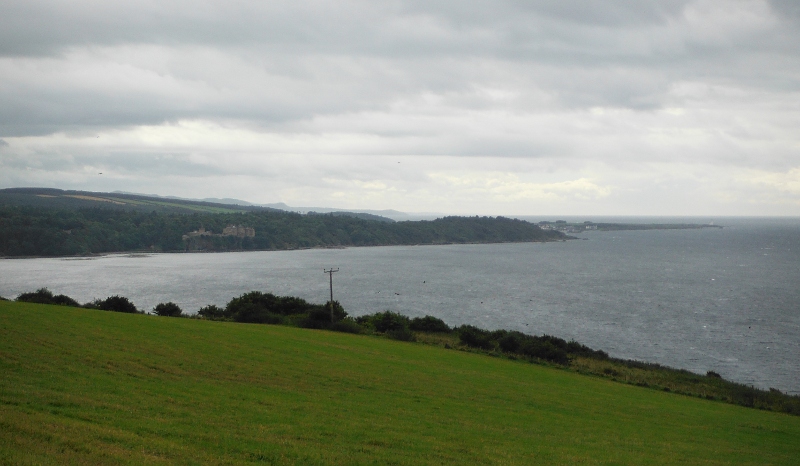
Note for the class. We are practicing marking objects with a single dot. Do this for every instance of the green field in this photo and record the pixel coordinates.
(86, 386)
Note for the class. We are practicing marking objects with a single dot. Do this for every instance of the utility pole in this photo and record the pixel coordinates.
(330, 273)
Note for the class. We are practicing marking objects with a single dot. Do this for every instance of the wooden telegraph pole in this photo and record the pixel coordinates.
(330, 273)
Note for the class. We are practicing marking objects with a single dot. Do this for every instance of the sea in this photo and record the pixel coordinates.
(713, 299)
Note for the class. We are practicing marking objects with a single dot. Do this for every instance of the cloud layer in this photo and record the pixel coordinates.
(599, 107)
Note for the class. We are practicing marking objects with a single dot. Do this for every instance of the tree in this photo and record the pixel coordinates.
(212, 311)
(45, 296)
(169, 309)
(116, 304)
(429, 324)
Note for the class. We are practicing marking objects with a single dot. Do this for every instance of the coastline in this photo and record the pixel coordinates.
(146, 252)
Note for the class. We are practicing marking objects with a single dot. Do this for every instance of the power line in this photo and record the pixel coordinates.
(330, 273)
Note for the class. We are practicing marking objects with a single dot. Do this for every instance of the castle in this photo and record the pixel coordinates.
(238, 230)
(230, 230)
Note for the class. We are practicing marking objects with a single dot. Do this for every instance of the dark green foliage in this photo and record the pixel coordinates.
(542, 349)
(346, 325)
(212, 312)
(429, 324)
(266, 308)
(713, 374)
(45, 296)
(255, 314)
(42, 231)
(475, 337)
(169, 309)
(545, 347)
(325, 312)
(384, 321)
(402, 334)
(509, 343)
(114, 303)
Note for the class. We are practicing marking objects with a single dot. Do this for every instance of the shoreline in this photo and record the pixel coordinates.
(605, 229)
(144, 253)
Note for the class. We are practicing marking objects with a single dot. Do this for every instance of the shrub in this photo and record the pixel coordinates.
(429, 324)
(45, 296)
(543, 349)
(255, 314)
(475, 337)
(388, 320)
(347, 325)
(114, 303)
(169, 309)
(283, 305)
(713, 374)
(509, 343)
(402, 334)
(324, 312)
(315, 319)
(212, 312)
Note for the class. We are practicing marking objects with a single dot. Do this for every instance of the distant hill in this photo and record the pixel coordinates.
(66, 199)
(52, 222)
(386, 213)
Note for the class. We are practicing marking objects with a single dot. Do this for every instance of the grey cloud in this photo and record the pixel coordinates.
(354, 27)
(787, 8)
(284, 66)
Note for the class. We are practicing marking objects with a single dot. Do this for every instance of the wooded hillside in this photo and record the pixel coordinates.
(44, 231)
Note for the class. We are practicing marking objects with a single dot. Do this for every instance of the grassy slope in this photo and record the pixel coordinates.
(87, 386)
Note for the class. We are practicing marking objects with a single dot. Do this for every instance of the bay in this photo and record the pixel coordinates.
(725, 300)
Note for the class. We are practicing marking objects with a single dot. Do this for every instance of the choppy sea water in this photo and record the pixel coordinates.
(725, 300)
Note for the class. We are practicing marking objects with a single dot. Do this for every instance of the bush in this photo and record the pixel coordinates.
(429, 324)
(475, 337)
(169, 309)
(283, 305)
(115, 304)
(45, 296)
(316, 319)
(255, 314)
(543, 349)
(346, 325)
(509, 343)
(212, 312)
(402, 334)
(323, 313)
(386, 321)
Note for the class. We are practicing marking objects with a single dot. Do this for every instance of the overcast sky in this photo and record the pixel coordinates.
(592, 107)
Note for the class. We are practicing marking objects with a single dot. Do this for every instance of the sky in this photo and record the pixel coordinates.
(591, 107)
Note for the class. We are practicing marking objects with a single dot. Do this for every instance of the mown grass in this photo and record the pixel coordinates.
(654, 376)
(178, 205)
(86, 387)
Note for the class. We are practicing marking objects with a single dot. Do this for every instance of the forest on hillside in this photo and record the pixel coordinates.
(43, 231)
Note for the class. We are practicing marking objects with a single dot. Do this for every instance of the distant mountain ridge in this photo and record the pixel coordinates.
(72, 199)
(387, 213)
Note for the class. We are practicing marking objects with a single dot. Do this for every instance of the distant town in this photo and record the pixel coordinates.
(567, 227)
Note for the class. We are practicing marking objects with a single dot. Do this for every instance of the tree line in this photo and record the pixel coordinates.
(256, 307)
(41, 231)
